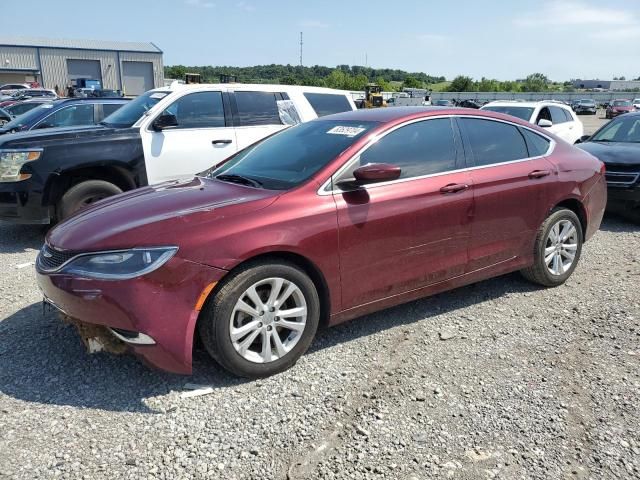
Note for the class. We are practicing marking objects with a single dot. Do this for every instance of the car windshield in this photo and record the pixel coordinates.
(624, 129)
(28, 117)
(523, 113)
(587, 102)
(129, 114)
(291, 157)
(622, 103)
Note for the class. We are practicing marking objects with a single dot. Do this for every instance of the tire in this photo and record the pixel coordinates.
(221, 311)
(84, 194)
(541, 271)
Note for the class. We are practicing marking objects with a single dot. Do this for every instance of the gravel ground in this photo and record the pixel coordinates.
(496, 380)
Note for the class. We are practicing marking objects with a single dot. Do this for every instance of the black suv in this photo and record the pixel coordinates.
(64, 113)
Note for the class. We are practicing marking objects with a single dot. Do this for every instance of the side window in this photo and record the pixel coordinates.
(109, 108)
(557, 115)
(198, 110)
(544, 115)
(494, 142)
(326, 104)
(70, 116)
(537, 144)
(567, 114)
(421, 148)
(257, 108)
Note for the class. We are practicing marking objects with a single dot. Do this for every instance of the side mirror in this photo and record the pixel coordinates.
(582, 139)
(371, 173)
(165, 120)
(544, 123)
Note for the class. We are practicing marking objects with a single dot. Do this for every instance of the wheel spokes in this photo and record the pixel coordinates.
(238, 333)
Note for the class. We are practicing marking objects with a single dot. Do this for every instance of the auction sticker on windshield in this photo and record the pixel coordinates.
(346, 131)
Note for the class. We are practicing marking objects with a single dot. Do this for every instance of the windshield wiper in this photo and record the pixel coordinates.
(234, 178)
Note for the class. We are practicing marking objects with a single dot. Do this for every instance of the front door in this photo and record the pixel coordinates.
(408, 233)
(203, 138)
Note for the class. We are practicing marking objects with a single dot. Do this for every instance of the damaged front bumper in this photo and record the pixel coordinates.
(154, 315)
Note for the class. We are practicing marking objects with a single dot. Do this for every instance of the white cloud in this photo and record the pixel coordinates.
(200, 3)
(624, 33)
(246, 6)
(571, 12)
(432, 38)
(313, 24)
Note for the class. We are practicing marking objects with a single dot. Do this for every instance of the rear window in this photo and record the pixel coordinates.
(622, 103)
(523, 113)
(327, 104)
(257, 108)
(494, 142)
(537, 144)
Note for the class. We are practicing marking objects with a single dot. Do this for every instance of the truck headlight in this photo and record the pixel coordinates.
(11, 161)
(119, 265)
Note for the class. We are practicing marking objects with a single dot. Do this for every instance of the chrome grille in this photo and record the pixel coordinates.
(622, 179)
(50, 259)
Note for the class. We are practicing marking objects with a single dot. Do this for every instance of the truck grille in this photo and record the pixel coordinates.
(50, 259)
(622, 179)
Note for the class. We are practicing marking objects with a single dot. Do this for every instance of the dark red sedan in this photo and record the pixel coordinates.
(618, 107)
(321, 223)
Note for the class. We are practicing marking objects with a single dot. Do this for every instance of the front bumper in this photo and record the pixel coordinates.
(586, 110)
(160, 306)
(629, 195)
(22, 202)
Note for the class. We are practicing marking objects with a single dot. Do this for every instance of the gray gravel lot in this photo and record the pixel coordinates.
(593, 122)
(496, 380)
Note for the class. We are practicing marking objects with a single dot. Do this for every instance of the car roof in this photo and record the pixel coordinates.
(391, 114)
(91, 99)
(515, 103)
(264, 87)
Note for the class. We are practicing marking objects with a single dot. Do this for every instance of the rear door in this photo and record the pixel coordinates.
(510, 176)
(562, 126)
(256, 115)
(203, 137)
(405, 234)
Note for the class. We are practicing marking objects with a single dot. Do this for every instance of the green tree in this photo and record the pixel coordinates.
(462, 84)
(288, 80)
(412, 82)
(536, 82)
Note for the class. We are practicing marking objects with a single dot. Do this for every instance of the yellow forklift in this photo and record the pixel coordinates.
(373, 96)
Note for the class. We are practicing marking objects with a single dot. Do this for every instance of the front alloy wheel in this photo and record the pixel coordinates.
(561, 247)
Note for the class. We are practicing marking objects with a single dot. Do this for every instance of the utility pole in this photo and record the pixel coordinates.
(300, 48)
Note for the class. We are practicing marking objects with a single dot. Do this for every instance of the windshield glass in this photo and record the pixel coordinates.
(587, 102)
(289, 158)
(29, 116)
(622, 103)
(523, 113)
(624, 129)
(131, 112)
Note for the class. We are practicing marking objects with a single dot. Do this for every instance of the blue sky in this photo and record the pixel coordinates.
(497, 39)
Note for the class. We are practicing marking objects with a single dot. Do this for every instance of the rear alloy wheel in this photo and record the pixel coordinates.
(261, 320)
(84, 194)
(557, 249)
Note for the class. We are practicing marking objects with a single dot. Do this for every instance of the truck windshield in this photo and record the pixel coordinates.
(129, 114)
(291, 157)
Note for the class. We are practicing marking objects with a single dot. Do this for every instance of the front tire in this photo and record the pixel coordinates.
(261, 320)
(84, 194)
(557, 249)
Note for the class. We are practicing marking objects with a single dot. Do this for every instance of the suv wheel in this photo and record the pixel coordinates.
(261, 320)
(557, 249)
(84, 194)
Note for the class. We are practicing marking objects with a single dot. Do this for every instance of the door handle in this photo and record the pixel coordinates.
(454, 188)
(221, 142)
(539, 173)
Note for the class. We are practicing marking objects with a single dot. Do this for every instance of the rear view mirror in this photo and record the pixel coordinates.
(544, 123)
(166, 120)
(371, 173)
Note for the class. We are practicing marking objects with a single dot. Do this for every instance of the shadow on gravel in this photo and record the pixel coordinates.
(17, 238)
(617, 219)
(42, 360)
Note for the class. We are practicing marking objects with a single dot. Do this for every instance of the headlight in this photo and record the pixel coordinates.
(11, 161)
(119, 265)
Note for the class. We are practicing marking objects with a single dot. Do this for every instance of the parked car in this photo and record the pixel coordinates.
(5, 117)
(444, 103)
(34, 92)
(10, 88)
(18, 108)
(617, 144)
(636, 103)
(64, 113)
(585, 105)
(554, 116)
(164, 134)
(619, 107)
(321, 223)
(469, 104)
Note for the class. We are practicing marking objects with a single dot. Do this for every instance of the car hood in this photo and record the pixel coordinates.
(163, 214)
(34, 138)
(613, 152)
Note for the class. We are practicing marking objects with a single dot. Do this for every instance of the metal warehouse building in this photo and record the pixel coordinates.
(132, 67)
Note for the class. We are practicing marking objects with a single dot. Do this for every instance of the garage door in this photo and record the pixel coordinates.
(137, 77)
(89, 69)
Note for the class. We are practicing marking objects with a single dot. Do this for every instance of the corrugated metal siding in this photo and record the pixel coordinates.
(156, 59)
(18, 58)
(54, 66)
(78, 44)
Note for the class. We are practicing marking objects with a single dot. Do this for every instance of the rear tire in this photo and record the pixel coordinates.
(223, 317)
(84, 194)
(557, 249)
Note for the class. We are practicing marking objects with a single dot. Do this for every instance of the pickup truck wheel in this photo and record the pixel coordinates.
(84, 194)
